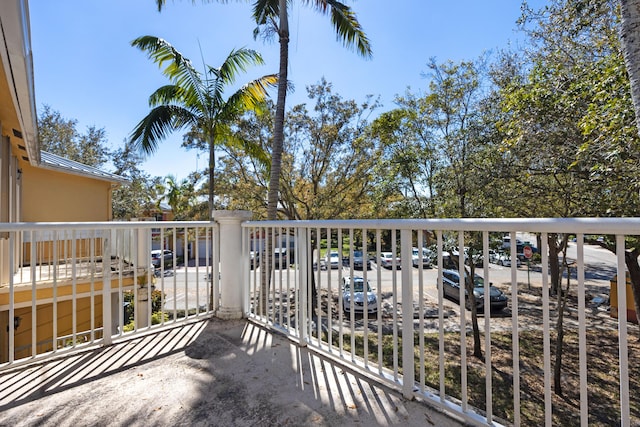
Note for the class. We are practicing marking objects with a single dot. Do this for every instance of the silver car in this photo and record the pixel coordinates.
(360, 294)
(387, 261)
(162, 258)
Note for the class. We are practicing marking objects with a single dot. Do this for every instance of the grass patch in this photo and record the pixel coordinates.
(602, 366)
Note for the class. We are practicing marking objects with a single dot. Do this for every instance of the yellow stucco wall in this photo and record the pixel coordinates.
(51, 196)
(44, 313)
(44, 316)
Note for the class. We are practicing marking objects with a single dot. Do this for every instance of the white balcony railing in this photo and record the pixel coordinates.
(409, 336)
(65, 286)
(69, 286)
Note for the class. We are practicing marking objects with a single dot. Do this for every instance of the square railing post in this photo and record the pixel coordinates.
(107, 330)
(408, 375)
(232, 263)
(144, 277)
(302, 313)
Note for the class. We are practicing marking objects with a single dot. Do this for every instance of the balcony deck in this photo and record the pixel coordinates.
(210, 372)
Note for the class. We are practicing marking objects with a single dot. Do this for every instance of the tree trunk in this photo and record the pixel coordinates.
(562, 302)
(554, 265)
(276, 147)
(212, 164)
(630, 41)
(631, 260)
(477, 349)
(278, 131)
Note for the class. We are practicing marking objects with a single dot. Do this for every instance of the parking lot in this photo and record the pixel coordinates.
(387, 284)
(599, 269)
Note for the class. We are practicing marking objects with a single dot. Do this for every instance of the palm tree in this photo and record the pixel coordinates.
(196, 101)
(272, 15)
(630, 42)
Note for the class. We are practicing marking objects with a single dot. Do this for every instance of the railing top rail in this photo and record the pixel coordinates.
(628, 226)
(22, 226)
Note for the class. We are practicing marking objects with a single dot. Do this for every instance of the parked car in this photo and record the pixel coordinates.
(456, 253)
(423, 257)
(386, 260)
(451, 287)
(359, 261)
(359, 293)
(332, 260)
(281, 258)
(505, 260)
(158, 255)
(254, 259)
(506, 242)
(493, 256)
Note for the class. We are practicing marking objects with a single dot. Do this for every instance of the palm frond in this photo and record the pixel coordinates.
(348, 28)
(168, 94)
(237, 61)
(253, 149)
(346, 24)
(252, 94)
(265, 11)
(159, 123)
(179, 70)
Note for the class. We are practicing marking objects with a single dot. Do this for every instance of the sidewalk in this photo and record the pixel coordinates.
(210, 373)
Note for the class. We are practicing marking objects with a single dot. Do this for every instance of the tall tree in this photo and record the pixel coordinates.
(579, 93)
(454, 93)
(330, 158)
(141, 195)
(630, 41)
(411, 160)
(329, 162)
(197, 101)
(272, 16)
(60, 136)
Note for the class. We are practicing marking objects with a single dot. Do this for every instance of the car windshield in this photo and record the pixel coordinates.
(358, 286)
(357, 254)
(478, 281)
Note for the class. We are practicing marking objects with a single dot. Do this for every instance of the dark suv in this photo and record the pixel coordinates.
(451, 287)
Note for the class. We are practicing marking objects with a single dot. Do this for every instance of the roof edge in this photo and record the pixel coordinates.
(61, 164)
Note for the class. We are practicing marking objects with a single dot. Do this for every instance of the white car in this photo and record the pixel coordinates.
(386, 260)
(505, 260)
(332, 260)
(425, 258)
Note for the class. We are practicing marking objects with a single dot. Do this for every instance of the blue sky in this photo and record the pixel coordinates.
(86, 69)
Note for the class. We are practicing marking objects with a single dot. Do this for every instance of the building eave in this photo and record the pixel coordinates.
(17, 62)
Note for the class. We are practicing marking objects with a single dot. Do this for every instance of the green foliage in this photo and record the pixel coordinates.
(195, 101)
(432, 143)
(141, 196)
(60, 136)
(327, 171)
(157, 299)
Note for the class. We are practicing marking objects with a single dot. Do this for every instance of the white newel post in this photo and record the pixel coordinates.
(232, 262)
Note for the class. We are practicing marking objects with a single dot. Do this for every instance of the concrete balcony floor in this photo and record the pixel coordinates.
(217, 373)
